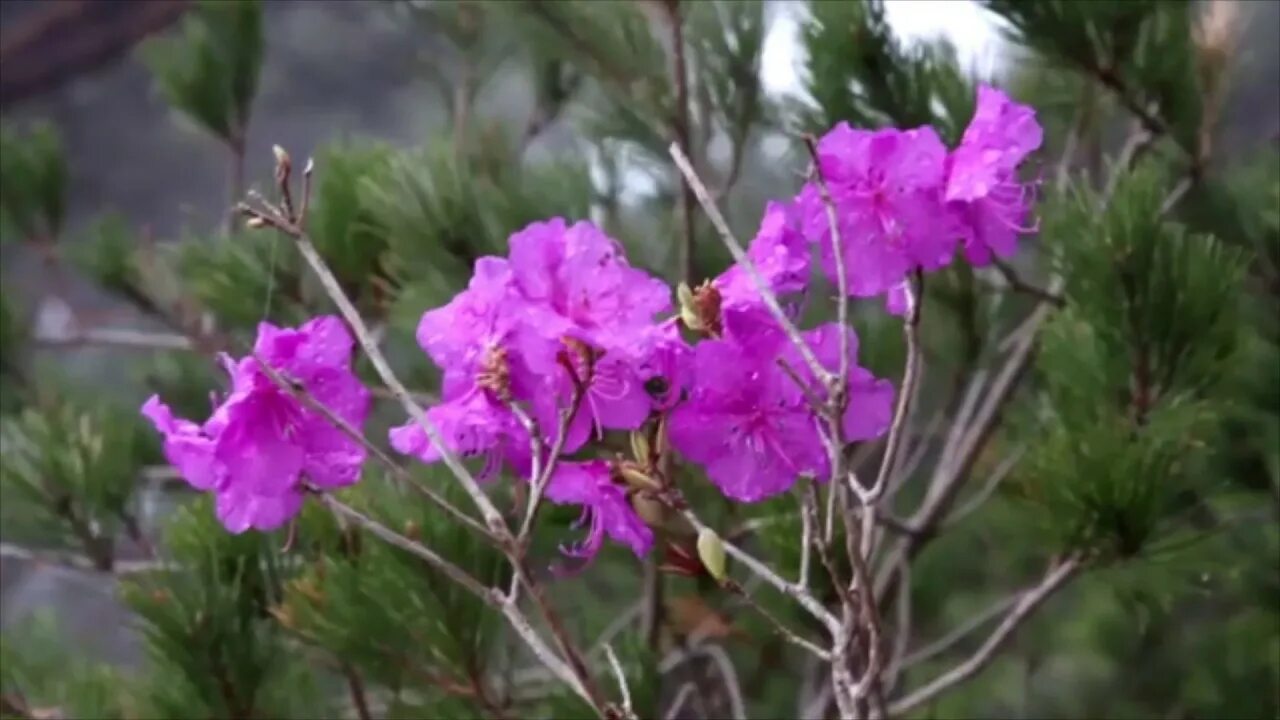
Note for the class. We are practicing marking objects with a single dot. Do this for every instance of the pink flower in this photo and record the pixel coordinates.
(261, 445)
(604, 505)
(581, 277)
(779, 252)
(746, 423)
(751, 426)
(886, 186)
(982, 188)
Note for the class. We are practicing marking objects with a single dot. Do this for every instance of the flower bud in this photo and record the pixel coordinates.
(688, 309)
(652, 512)
(636, 478)
(711, 553)
(640, 446)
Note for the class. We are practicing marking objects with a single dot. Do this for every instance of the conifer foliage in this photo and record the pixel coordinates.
(821, 425)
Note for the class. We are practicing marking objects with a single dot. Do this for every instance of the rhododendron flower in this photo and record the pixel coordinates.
(663, 365)
(605, 508)
(261, 445)
(886, 186)
(581, 276)
(982, 188)
(751, 426)
(747, 423)
(779, 253)
(869, 405)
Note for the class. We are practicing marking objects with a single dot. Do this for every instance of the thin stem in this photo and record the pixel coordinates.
(1054, 579)
(787, 633)
(960, 632)
(355, 685)
(680, 126)
(795, 592)
(842, 280)
(740, 256)
(910, 377)
(621, 677)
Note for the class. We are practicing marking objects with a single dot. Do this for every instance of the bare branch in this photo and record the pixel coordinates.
(787, 633)
(795, 592)
(621, 677)
(716, 654)
(960, 632)
(1055, 578)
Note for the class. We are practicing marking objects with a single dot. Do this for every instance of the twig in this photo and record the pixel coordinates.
(842, 280)
(356, 687)
(787, 633)
(910, 377)
(960, 632)
(680, 126)
(677, 703)
(1056, 577)
(808, 518)
(795, 592)
(740, 256)
(118, 338)
(980, 498)
(717, 655)
(80, 562)
(621, 677)
(1019, 285)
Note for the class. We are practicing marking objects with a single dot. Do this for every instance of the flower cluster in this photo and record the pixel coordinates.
(563, 340)
(262, 447)
(904, 202)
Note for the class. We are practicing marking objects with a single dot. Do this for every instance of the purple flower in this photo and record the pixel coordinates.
(746, 423)
(752, 428)
(779, 252)
(982, 188)
(663, 365)
(473, 425)
(604, 505)
(582, 278)
(261, 444)
(613, 396)
(869, 408)
(886, 186)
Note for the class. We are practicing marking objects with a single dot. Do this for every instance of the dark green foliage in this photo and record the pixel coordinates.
(1133, 371)
(236, 278)
(71, 468)
(398, 622)
(33, 178)
(210, 72)
(12, 331)
(1141, 50)
(214, 648)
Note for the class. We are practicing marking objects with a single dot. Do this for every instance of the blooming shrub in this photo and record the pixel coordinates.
(564, 332)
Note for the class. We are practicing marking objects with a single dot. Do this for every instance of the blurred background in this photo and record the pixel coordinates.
(439, 128)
